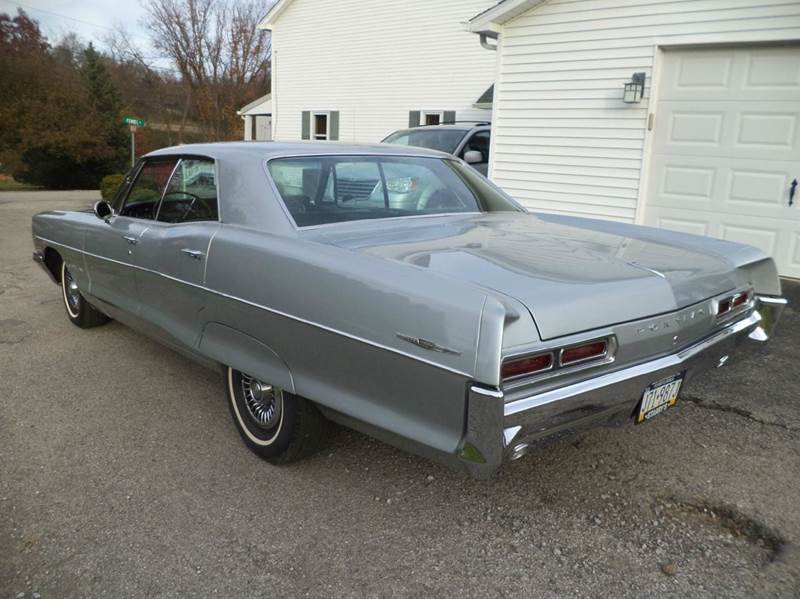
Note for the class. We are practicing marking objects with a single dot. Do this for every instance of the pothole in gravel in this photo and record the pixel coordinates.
(734, 529)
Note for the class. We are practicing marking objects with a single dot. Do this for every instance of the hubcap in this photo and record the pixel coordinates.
(71, 289)
(264, 402)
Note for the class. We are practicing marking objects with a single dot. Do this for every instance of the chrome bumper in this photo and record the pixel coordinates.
(498, 431)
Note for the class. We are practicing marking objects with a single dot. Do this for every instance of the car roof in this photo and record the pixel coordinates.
(272, 149)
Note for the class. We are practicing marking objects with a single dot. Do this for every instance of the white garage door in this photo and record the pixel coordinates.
(727, 148)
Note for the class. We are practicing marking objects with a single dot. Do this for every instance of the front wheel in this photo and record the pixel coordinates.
(276, 425)
(79, 311)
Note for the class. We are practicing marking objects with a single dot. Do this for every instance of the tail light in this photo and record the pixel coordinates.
(582, 353)
(527, 365)
(594, 350)
(724, 306)
(733, 302)
(741, 299)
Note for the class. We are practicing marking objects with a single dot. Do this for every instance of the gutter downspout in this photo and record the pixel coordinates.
(484, 37)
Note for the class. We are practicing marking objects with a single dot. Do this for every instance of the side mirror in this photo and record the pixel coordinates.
(102, 209)
(473, 157)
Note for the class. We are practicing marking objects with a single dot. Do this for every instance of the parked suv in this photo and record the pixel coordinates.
(469, 141)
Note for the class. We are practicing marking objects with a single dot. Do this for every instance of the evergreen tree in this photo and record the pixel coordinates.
(106, 102)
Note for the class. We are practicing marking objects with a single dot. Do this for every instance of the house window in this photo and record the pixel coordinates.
(432, 118)
(321, 130)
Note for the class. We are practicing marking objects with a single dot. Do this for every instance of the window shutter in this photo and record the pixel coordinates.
(449, 117)
(334, 125)
(414, 118)
(306, 126)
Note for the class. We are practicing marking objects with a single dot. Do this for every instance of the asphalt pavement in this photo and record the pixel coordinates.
(121, 475)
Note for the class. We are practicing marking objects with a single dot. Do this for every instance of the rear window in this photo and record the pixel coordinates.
(320, 190)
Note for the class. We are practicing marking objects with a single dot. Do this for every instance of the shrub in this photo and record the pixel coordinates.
(109, 186)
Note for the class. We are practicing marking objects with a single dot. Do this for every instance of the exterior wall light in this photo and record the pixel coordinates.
(634, 89)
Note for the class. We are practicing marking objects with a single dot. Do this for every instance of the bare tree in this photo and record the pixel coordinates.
(218, 51)
(155, 89)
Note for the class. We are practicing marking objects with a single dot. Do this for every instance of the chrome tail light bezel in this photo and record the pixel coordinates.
(558, 367)
(733, 309)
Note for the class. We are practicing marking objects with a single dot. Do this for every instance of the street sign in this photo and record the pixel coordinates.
(133, 124)
(129, 120)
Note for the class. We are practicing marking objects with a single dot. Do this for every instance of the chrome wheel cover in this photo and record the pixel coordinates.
(264, 402)
(71, 293)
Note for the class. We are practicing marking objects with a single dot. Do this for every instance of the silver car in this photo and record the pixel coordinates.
(397, 291)
(470, 142)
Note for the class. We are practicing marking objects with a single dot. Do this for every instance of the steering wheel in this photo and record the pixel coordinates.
(190, 207)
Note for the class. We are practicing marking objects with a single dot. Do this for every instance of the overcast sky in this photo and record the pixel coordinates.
(91, 20)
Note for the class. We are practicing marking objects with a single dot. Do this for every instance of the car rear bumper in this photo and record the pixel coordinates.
(499, 431)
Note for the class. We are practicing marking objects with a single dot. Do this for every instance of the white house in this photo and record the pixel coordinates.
(257, 119)
(712, 147)
(356, 70)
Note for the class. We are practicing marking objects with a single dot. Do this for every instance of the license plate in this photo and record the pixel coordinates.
(659, 396)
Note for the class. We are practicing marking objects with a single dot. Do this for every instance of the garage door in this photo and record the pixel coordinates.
(727, 148)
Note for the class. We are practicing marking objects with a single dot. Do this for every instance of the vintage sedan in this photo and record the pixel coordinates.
(396, 291)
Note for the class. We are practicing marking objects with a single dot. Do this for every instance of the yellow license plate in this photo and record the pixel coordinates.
(659, 396)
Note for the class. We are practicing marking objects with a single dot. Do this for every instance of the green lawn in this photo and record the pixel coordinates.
(8, 184)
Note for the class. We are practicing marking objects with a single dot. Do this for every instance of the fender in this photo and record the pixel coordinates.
(239, 350)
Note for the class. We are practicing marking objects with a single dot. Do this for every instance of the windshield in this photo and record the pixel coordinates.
(319, 190)
(444, 140)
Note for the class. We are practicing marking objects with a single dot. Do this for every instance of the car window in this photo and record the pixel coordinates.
(191, 194)
(479, 142)
(143, 198)
(328, 189)
(435, 138)
(121, 193)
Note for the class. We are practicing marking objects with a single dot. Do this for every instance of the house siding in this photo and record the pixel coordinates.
(374, 62)
(563, 140)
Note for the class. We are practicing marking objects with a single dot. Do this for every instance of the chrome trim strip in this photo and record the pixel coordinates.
(493, 393)
(208, 253)
(166, 186)
(265, 308)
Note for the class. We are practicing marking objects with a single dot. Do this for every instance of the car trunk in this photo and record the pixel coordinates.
(571, 276)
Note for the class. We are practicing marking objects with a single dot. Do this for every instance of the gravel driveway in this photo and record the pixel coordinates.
(122, 475)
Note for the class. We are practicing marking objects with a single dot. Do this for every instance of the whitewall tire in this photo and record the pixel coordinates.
(276, 425)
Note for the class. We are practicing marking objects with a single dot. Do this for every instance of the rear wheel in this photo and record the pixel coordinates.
(79, 311)
(276, 425)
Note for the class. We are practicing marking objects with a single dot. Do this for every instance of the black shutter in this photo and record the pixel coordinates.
(306, 125)
(449, 117)
(334, 125)
(414, 118)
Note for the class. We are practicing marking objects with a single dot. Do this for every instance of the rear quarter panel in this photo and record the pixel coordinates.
(64, 232)
(333, 315)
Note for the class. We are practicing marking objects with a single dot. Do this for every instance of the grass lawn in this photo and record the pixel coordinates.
(8, 184)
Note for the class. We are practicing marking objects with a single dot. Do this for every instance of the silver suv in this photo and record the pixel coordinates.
(467, 141)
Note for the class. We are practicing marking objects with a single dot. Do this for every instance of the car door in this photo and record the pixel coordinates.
(478, 142)
(111, 245)
(172, 254)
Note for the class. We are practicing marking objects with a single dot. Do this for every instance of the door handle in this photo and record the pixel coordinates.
(792, 189)
(196, 254)
(130, 240)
